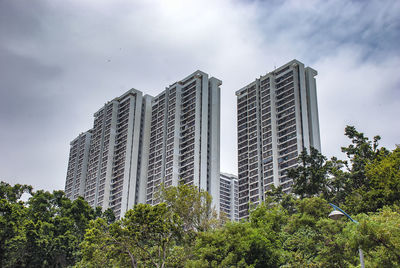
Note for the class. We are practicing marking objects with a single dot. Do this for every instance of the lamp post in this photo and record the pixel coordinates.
(336, 214)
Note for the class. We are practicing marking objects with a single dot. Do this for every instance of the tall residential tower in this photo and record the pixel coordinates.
(277, 118)
(138, 142)
(77, 165)
(115, 165)
(229, 196)
(184, 139)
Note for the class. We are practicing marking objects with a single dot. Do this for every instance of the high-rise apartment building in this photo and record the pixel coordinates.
(184, 141)
(138, 142)
(277, 118)
(77, 165)
(228, 197)
(116, 164)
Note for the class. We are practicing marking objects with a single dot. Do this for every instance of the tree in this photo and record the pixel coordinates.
(194, 208)
(160, 235)
(144, 237)
(13, 193)
(338, 178)
(46, 231)
(360, 152)
(378, 234)
(383, 176)
(12, 217)
(192, 205)
(311, 176)
(311, 239)
(276, 196)
(100, 249)
(236, 245)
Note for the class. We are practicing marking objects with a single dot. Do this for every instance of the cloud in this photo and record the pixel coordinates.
(354, 92)
(60, 61)
(326, 25)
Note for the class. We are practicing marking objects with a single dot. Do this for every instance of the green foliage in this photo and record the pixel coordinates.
(109, 215)
(192, 205)
(287, 230)
(46, 231)
(383, 175)
(360, 152)
(337, 183)
(144, 237)
(237, 245)
(100, 249)
(194, 208)
(378, 235)
(13, 193)
(317, 176)
(310, 238)
(310, 177)
(12, 217)
(276, 196)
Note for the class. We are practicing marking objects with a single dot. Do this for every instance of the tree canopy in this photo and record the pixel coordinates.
(184, 230)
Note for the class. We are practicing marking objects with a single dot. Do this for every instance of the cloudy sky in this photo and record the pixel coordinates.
(60, 61)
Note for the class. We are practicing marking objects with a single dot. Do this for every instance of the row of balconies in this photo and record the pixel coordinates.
(287, 137)
(254, 184)
(286, 118)
(187, 102)
(265, 99)
(283, 77)
(186, 97)
(290, 158)
(123, 111)
(288, 150)
(265, 90)
(188, 120)
(287, 144)
(188, 166)
(123, 124)
(287, 124)
(156, 119)
(285, 91)
(268, 179)
(285, 106)
(285, 88)
(188, 108)
(288, 164)
(263, 82)
(245, 203)
(187, 89)
(284, 82)
(285, 100)
(286, 112)
(242, 105)
(187, 176)
(287, 131)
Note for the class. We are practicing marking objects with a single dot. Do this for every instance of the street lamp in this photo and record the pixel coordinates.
(336, 214)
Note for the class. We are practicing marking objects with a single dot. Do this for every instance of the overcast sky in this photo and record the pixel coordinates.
(60, 61)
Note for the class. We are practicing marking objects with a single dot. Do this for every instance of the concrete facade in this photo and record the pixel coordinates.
(277, 118)
(229, 193)
(114, 162)
(138, 142)
(77, 165)
(184, 141)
